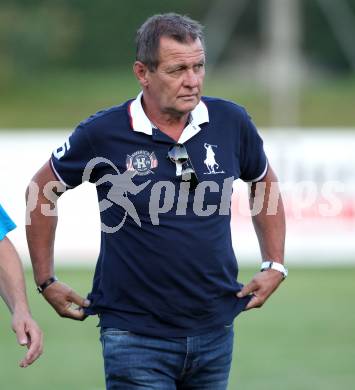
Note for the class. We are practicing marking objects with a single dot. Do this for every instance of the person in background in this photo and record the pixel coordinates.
(13, 291)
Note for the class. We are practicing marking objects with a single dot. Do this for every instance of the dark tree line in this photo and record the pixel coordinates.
(37, 36)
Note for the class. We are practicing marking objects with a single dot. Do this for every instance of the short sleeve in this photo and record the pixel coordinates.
(70, 159)
(253, 161)
(6, 223)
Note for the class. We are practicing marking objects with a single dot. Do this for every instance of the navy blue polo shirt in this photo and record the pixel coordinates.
(166, 265)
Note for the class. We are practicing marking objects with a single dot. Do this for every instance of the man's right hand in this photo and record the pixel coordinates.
(62, 298)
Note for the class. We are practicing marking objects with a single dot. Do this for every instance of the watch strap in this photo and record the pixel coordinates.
(47, 283)
(274, 265)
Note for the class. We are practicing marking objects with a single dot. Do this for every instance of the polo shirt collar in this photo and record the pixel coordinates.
(141, 123)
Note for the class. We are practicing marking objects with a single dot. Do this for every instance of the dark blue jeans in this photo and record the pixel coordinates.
(135, 361)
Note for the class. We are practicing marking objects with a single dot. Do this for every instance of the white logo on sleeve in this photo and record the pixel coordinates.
(210, 160)
(60, 152)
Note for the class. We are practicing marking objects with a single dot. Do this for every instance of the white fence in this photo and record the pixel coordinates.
(316, 168)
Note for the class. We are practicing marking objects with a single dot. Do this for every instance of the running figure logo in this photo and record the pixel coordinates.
(121, 185)
(210, 161)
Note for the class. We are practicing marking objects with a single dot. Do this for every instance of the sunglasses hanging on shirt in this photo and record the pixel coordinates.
(178, 155)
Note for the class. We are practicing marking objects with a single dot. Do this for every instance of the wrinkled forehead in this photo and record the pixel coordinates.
(171, 50)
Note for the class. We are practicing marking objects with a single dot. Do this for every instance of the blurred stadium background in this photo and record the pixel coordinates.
(291, 63)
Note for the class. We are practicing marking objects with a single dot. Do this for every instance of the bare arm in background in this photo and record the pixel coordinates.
(270, 228)
(40, 237)
(13, 291)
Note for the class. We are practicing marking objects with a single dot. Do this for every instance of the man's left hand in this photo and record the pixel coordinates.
(261, 287)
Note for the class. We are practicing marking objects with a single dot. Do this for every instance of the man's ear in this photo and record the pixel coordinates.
(141, 72)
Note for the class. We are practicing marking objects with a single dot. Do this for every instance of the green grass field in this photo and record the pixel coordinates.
(302, 339)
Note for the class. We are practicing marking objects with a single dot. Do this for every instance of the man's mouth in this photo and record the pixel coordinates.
(187, 97)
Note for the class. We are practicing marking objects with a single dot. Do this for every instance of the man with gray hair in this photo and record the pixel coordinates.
(165, 286)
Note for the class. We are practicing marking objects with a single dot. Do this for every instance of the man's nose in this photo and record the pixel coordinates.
(191, 79)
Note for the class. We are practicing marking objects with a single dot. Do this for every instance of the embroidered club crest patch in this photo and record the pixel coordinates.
(142, 162)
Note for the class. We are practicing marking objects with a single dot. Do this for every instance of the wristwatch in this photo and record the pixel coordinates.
(274, 265)
(46, 284)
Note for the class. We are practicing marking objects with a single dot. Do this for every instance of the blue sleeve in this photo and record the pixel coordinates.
(253, 161)
(69, 160)
(6, 223)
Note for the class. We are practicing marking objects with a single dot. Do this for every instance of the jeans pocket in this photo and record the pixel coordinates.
(112, 338)
(229, 326)
(113, 331)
